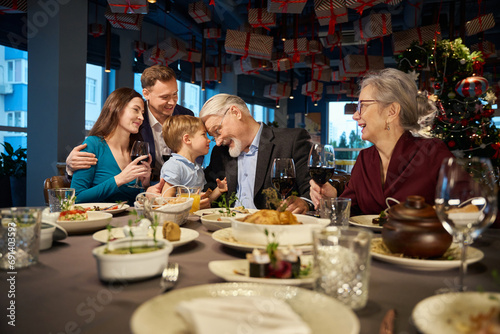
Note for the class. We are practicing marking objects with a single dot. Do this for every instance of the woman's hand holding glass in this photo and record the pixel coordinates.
(317, 192)
(139, 169)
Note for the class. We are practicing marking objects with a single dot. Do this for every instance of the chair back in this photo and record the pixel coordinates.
(340, 180)
(58, 181)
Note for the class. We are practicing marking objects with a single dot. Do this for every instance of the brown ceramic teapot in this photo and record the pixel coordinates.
(413, 229)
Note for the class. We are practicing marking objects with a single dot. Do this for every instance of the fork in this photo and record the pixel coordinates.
(169, 276)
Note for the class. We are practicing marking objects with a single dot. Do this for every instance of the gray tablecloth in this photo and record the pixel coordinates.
(62, 293)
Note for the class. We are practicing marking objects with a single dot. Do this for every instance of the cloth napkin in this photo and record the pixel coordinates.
(230, 315)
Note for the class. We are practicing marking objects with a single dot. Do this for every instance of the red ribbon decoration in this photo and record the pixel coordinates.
(496, 147)
(128, 7)
(212, 3)
(417, 8)
(247, 45)
(369, 3)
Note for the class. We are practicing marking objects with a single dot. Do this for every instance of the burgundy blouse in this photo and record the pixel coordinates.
(413, 170)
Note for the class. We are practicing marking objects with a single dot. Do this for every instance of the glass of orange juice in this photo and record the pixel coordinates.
(193, 192)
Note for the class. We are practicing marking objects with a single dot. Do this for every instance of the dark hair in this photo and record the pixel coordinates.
(156, 73)
(112, 110)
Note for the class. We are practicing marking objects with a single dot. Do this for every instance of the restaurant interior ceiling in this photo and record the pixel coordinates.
(233, 14)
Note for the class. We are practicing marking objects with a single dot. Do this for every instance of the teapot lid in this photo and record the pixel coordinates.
(412, 209)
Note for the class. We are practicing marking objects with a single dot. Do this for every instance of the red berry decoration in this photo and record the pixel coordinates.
(451, 143)
(437, 86)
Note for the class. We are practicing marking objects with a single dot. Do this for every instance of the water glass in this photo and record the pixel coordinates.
(60, 196)
(193, 192)
(342, 264)
(338, 210)
(19, 237)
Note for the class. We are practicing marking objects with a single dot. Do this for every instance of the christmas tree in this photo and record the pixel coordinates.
(449, 71)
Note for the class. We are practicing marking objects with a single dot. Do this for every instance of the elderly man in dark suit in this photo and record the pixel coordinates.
(159, 88)
(246, 149)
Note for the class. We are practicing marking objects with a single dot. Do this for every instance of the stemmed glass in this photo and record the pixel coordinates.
(139, 148)
(321, 163)
(283, 175)
(466, 202)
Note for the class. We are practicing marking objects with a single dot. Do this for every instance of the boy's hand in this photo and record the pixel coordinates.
(222, 185)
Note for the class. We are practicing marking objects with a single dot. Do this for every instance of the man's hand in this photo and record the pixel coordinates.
(296, 205)
(79, 160)
(318, 192)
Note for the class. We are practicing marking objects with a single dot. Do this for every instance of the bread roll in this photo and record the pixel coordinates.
(171, 231)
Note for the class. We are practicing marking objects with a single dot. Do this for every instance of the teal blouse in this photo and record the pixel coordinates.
(97, 184)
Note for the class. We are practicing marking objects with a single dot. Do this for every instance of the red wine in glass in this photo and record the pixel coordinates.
(283, 184)
(139, 148)
(283, 175)
(321, 175)
(321, 163)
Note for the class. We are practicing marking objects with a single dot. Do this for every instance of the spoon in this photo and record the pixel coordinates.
(169, 276)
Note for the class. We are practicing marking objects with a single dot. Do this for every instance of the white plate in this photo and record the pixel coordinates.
(450, 313)
(321, 313)
(97, 220)
(225, 237)
(473, 255)
(121, 207)
(210, 211)
(226, 270)
(187, 235)
(212, 224)
(365, 221)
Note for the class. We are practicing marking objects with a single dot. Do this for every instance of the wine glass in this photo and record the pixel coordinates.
(466, 202)
(139, 148)
(283, 175)
(321, 163)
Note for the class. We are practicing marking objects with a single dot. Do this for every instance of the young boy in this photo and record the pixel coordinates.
(186, 136)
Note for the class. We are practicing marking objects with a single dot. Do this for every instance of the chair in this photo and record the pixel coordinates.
(340, 180)
(58, 181)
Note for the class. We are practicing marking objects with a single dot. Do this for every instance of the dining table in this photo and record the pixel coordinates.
(62, 293)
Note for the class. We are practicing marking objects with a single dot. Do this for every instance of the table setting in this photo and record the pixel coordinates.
(352, 285)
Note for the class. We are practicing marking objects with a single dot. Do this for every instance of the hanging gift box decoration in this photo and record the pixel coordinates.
(227, 68)
(210, 74)
(124, 21)
(154, 56)
(402, 40)
(317, 61)
(96, 30)
(361, 5)
(471, 86)
(322, 74)
(479, 24)
(336, 77)
(286, 6)
(212, 33)
(192, 56)
(247, 65)
(312, 87)
(296, 47)
(199, 12)
(128, 6)
(372, 26)
(174, 49)
(330, 41)
(314, 47)
(335, 89)
(140, 47)
(13, 6)
(261, 18)
(357, 65)
(330, 13)
(486, 47)
(282, 64)
(248, 44)
(350, 89)
(277, 91)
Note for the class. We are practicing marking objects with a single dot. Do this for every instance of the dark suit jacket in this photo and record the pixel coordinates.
(146, 132)
(274, 143)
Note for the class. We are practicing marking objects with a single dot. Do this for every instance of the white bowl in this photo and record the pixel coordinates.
(131, 267)
(216, 221)
(46, 235)
(285, 234)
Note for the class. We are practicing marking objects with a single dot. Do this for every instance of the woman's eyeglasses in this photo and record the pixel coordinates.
(359, 109)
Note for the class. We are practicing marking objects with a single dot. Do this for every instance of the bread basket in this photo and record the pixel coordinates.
(174, 209)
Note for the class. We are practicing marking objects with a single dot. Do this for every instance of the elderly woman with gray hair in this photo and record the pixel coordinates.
(392, 114)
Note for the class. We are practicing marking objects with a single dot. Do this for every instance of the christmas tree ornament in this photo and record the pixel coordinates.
(451, 143)
(471, 86)
(462, 61)
(437, 86)
(451, 95)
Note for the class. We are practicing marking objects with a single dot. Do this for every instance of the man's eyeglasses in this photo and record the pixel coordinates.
(217, 130)
(359, 109)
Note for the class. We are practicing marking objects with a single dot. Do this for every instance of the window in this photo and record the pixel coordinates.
(90, 90)
(345, 136)
(261, 114)
(191, 97)
(17, 71)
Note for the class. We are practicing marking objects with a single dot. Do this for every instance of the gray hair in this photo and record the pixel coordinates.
(218, 104)
(392, 85)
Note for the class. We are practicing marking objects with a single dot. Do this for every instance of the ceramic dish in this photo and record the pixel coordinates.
(112, 210)
(46, 235)
(215, 221)
(97, 221)
(451, 313)
(225, 236)
(187, 235)
(320, 312)
(286, 234)
(473, 255)
(237, 271)
(365, 221)
(205, 212)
